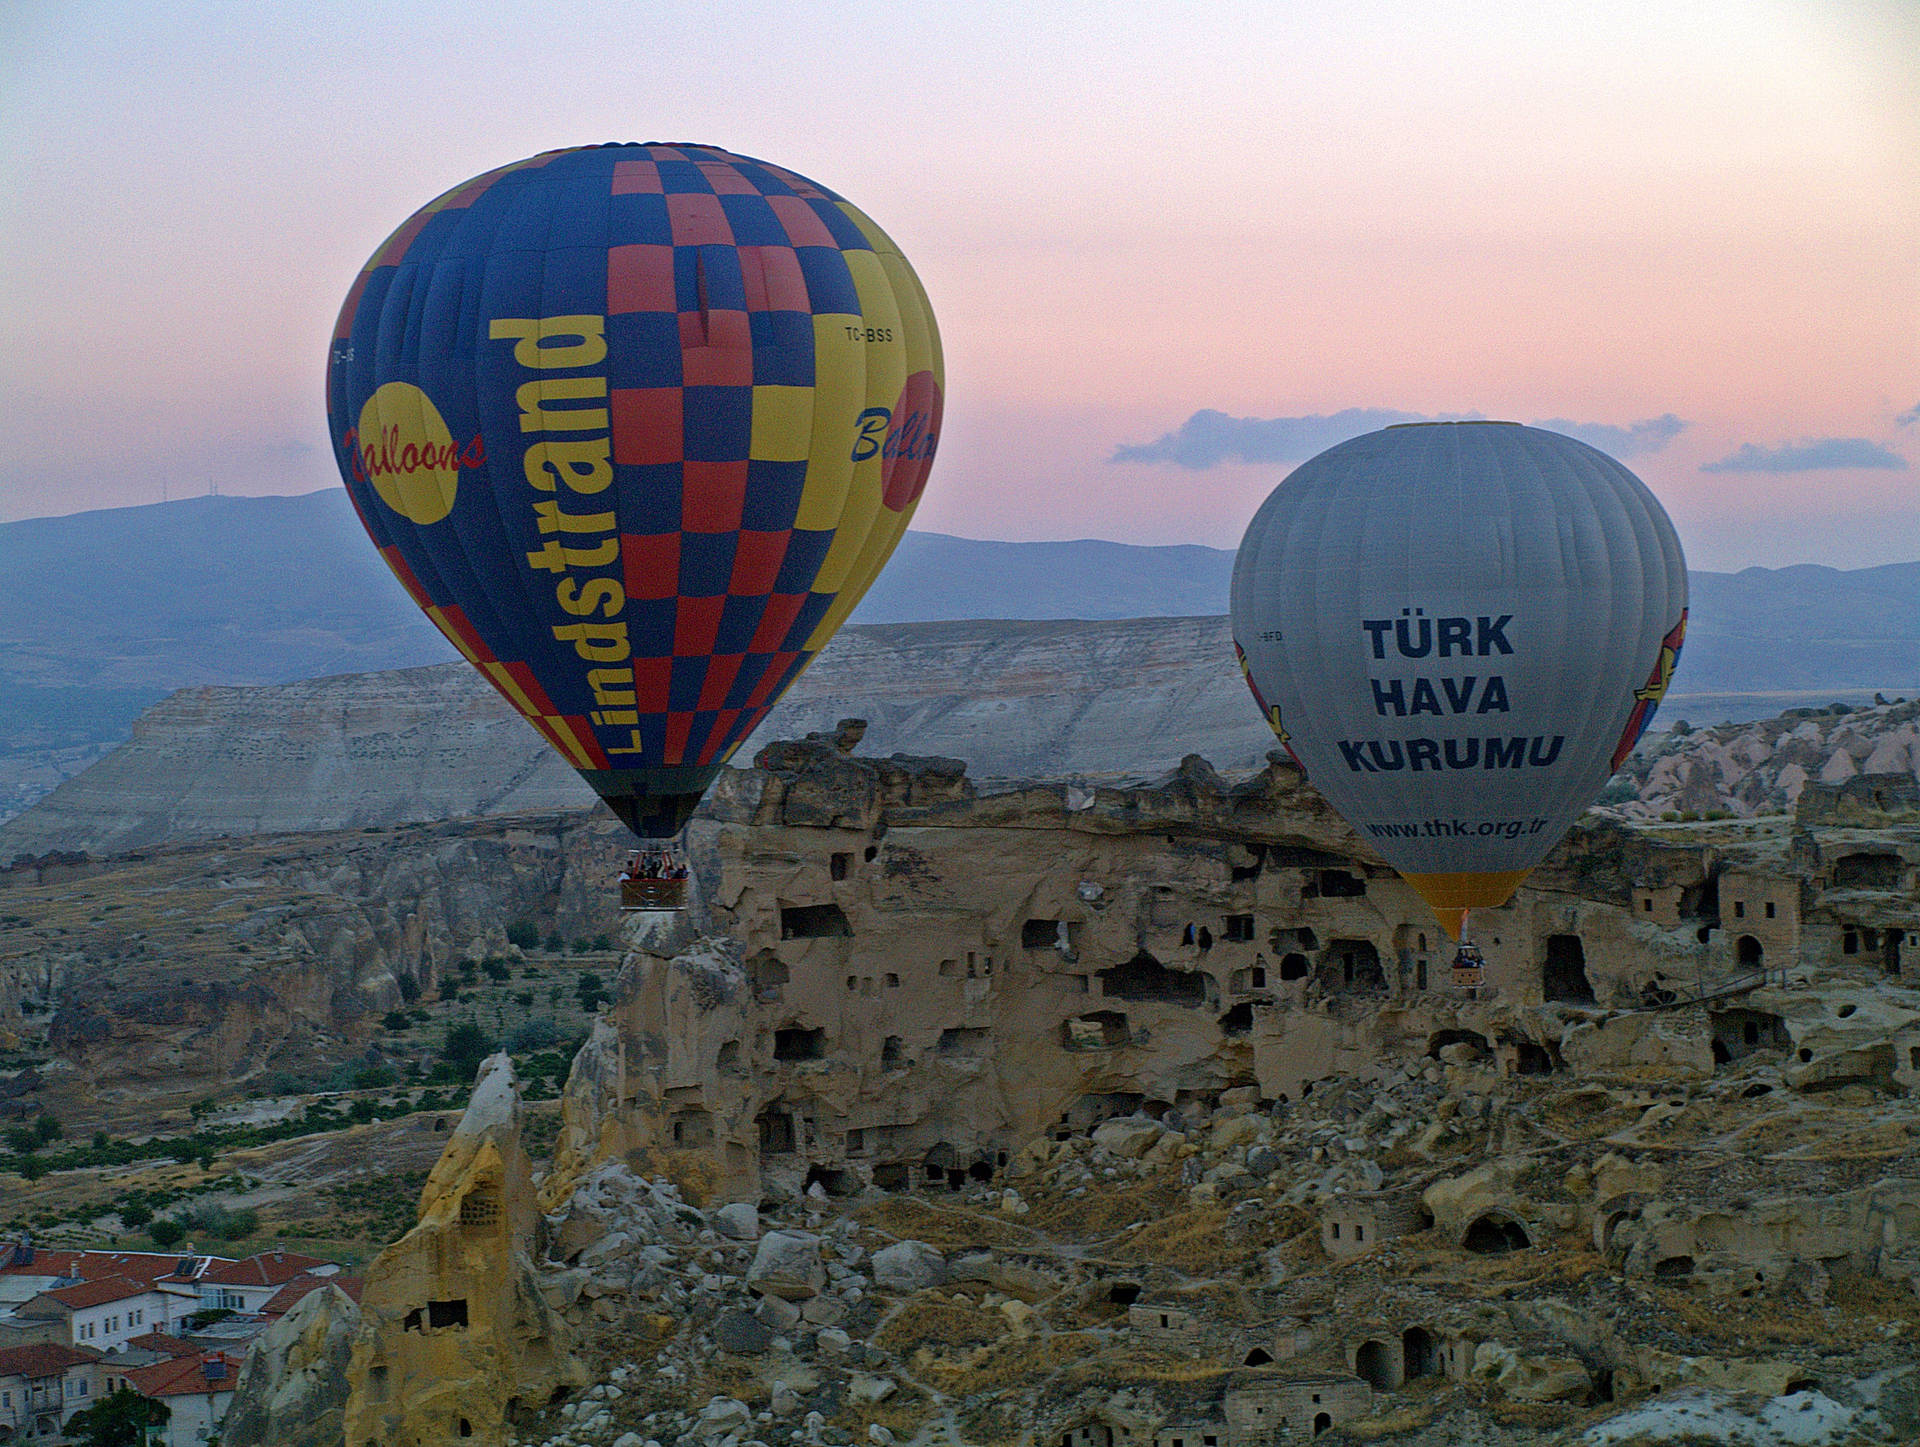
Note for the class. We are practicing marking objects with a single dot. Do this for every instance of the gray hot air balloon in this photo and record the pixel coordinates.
(1459, 630)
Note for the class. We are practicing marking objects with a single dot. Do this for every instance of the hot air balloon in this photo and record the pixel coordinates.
(636, 426)
(1459, 630)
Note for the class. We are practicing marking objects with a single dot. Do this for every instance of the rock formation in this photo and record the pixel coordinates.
(455, 1334)
(1764, 768)
(1017, 699)
(292, 1389)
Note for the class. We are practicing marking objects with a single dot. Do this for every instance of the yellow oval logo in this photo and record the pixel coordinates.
(407, 453)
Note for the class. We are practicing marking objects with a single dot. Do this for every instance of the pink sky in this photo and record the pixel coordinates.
(1124, 216)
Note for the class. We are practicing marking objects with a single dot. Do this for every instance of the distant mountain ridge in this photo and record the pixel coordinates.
(103, 613)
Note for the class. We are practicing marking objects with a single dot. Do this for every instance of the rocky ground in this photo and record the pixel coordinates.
(1001, 1313)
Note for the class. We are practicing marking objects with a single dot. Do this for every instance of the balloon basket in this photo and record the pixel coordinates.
(642, 894)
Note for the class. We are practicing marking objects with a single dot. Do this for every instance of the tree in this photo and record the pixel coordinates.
(396, 1021)
(523, 933)
(31, 1167)
(166, 1233)
(135, 1214)
(119, 1419)
(47, 1130)
(466, 1046)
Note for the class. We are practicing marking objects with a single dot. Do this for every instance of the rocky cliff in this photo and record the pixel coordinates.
(1763, 768)
(1015, 699)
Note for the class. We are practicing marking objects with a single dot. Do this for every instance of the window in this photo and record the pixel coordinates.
(1770, 909)
(1647, 904)
(83, 1387)
(1739, 909)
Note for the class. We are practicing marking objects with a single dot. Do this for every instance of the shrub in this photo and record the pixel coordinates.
(554, 943)
(409, 989)
(374, 1077)
(523, 934)
(166, 1233)
(466, 1046)
(209, 1219)
(534, 1034)
(46, 1130)
(135, 1214)
(449, 988)
(396, 1021)
(497, 971)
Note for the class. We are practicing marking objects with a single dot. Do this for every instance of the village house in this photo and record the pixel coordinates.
(41, 1386)
(97, 1315)
(295, 1291)
(248, 1285)
(197, 1391)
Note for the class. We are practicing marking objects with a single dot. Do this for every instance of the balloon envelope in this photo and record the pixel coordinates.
(636, 426)
(1459, 630)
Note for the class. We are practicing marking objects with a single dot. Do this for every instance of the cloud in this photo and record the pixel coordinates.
(1910, 416)
(1210, 438)
(1636, 439)
(1816, 454)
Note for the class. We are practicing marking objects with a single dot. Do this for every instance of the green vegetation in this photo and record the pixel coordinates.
(167, 1233)
(120, 1419)
(466, 1046)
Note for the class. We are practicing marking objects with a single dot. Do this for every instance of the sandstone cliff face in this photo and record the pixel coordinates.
(908, 980)
(186, 971)
(454, 1333)
(1017, 699)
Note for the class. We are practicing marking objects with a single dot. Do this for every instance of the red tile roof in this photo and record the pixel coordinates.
(269, 1268)
(98, 1293)
(183, 1375)
(42, 1360)
(289, 1296)
(160, 1341)
(91, 1265)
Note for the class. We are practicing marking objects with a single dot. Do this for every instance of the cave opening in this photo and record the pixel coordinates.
(1563, 976)
(1144, 979)
(1493, 1233)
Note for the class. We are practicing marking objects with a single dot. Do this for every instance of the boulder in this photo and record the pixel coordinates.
(739, 1221)
(1130, 1138)
(787, 1264)
(908, 1266)
(742, 1333)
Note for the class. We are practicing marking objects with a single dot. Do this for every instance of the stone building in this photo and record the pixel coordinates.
(1353, 1224)
(1273, 1405)
(907, 1018)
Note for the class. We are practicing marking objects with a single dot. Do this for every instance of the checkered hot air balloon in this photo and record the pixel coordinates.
(636, 426)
